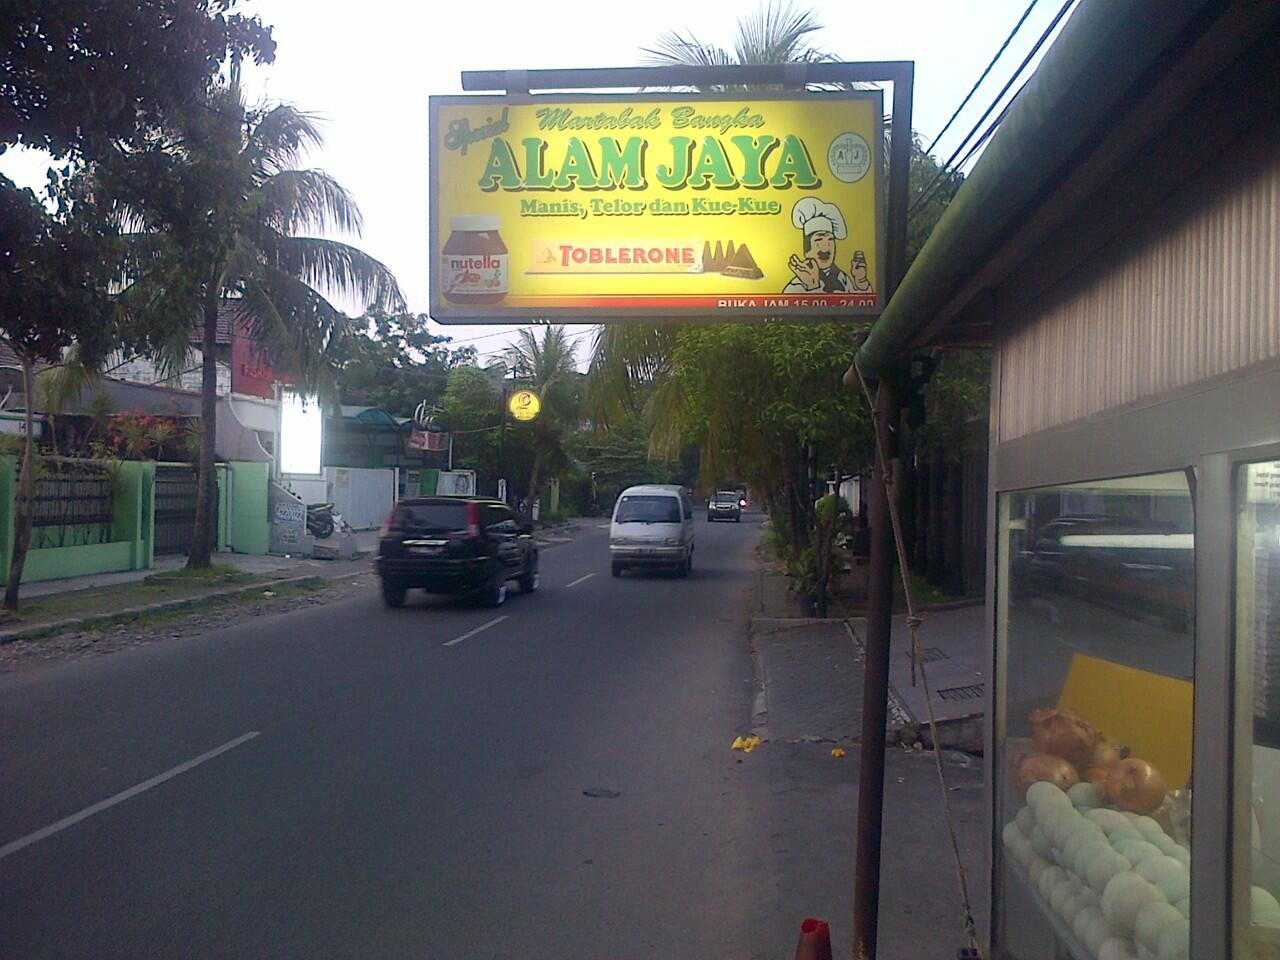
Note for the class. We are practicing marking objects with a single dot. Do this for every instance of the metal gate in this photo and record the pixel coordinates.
(176, 486)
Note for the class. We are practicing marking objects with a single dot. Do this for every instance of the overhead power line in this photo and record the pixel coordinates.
(999, 53)
(950, 165)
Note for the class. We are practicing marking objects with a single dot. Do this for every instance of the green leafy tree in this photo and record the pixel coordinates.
(218, 210)
(393, 362)
(79, 77)
(53, 294)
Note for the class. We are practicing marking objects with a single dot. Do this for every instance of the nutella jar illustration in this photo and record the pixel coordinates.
(474, 268)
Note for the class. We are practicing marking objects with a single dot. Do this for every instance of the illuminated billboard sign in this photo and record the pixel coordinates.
(639, 206)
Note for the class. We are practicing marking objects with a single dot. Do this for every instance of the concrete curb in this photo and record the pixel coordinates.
(81, 623)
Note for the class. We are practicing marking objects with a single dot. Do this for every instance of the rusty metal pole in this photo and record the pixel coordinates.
(875, 683)
(875, 687)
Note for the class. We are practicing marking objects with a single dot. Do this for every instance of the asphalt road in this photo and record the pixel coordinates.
(350, 781)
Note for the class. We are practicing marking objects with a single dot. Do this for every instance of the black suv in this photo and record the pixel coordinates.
(455, 545)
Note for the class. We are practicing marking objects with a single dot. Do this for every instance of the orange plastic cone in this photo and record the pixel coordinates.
(815, 940)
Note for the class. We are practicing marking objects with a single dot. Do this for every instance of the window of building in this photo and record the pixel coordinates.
(1095, 651)
(1257, 598)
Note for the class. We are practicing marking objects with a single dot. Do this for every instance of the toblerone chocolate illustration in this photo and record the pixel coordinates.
(743, 266)
(731, 261)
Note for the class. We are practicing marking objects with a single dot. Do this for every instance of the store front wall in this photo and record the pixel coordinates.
(1134, 579)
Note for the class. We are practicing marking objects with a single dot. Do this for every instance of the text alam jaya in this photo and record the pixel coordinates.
(752, 162)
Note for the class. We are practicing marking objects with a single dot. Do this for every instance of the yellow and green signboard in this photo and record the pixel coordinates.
(638, 206)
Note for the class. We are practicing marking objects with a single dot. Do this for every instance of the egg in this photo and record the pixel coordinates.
(1041, 843)
(1097, 932)
(1108, 820)
(1174, 941)
(1149, 829)
(1183, 906)
(1175, 888)
(1048, 802)
(1121, 834)
(1026, 819)
(1062, 825)
(1158, 868)
(1062, 891)
(1105, 866)
(1085, 795)
(1151, 919)
(1125, 895)
(1010, 834)
(1085, 833)
(1048, 879)
(1036, 867)
(1117, 948)
(1074, 904)
(1084, 854)
(1264, 909)
(1136, 851)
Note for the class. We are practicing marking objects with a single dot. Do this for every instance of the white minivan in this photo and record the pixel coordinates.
(652, 527)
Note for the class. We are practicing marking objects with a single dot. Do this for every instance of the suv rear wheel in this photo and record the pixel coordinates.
(495, 592)
(393, 594)
(529, 579)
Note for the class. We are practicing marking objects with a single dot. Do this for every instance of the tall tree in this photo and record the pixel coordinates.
(217, 210)
(53, 294)
(393, 362)
(549, 368)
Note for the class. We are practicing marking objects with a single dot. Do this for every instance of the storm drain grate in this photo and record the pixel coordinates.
(931, 654)
(973, 691)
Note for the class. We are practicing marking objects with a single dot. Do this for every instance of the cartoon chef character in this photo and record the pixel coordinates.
(822, 225)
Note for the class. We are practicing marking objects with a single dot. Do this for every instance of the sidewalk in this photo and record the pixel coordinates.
(953, 645)
(810, 674)
(366, 544)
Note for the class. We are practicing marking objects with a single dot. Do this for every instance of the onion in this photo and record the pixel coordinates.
(1065, 733)
(1098, 777)
(1037, 767)
(1136, 785)
(1104, 755)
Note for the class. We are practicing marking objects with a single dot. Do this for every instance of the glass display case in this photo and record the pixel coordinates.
(1093, 768)
(1257, 754)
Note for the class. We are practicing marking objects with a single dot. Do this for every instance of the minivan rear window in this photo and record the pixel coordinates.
(653, 509)
(430, 516)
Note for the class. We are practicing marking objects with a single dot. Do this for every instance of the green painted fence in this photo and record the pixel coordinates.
(131, 543)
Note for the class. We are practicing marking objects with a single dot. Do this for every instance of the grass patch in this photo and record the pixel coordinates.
(107, 600)
(215, 571)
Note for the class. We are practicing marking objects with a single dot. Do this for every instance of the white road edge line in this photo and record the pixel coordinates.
(578, 581)
(122, 796)
(471, 633)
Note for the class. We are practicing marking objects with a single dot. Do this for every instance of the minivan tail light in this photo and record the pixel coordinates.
(473, 519)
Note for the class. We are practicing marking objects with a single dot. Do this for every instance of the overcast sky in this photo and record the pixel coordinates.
(367, 68)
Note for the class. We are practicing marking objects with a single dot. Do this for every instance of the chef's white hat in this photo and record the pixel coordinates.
(811, 215)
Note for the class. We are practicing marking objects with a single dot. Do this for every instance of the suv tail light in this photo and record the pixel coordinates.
(386, 524)
(473, 520)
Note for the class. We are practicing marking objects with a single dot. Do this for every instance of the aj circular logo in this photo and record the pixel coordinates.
(849, 157)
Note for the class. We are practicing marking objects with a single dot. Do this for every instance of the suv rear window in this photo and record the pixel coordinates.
(654, 509)
(430, 516)
(727, 495)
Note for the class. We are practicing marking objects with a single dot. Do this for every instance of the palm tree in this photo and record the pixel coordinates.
(549, 367)
(778, 33)
(625, 355)
(215, 209)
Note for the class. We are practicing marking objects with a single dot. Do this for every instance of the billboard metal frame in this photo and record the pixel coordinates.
(720, 81)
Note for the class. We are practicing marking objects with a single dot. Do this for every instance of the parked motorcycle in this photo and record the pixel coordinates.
(322, 520)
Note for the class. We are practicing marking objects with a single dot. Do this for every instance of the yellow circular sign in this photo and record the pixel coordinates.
(524, 405)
